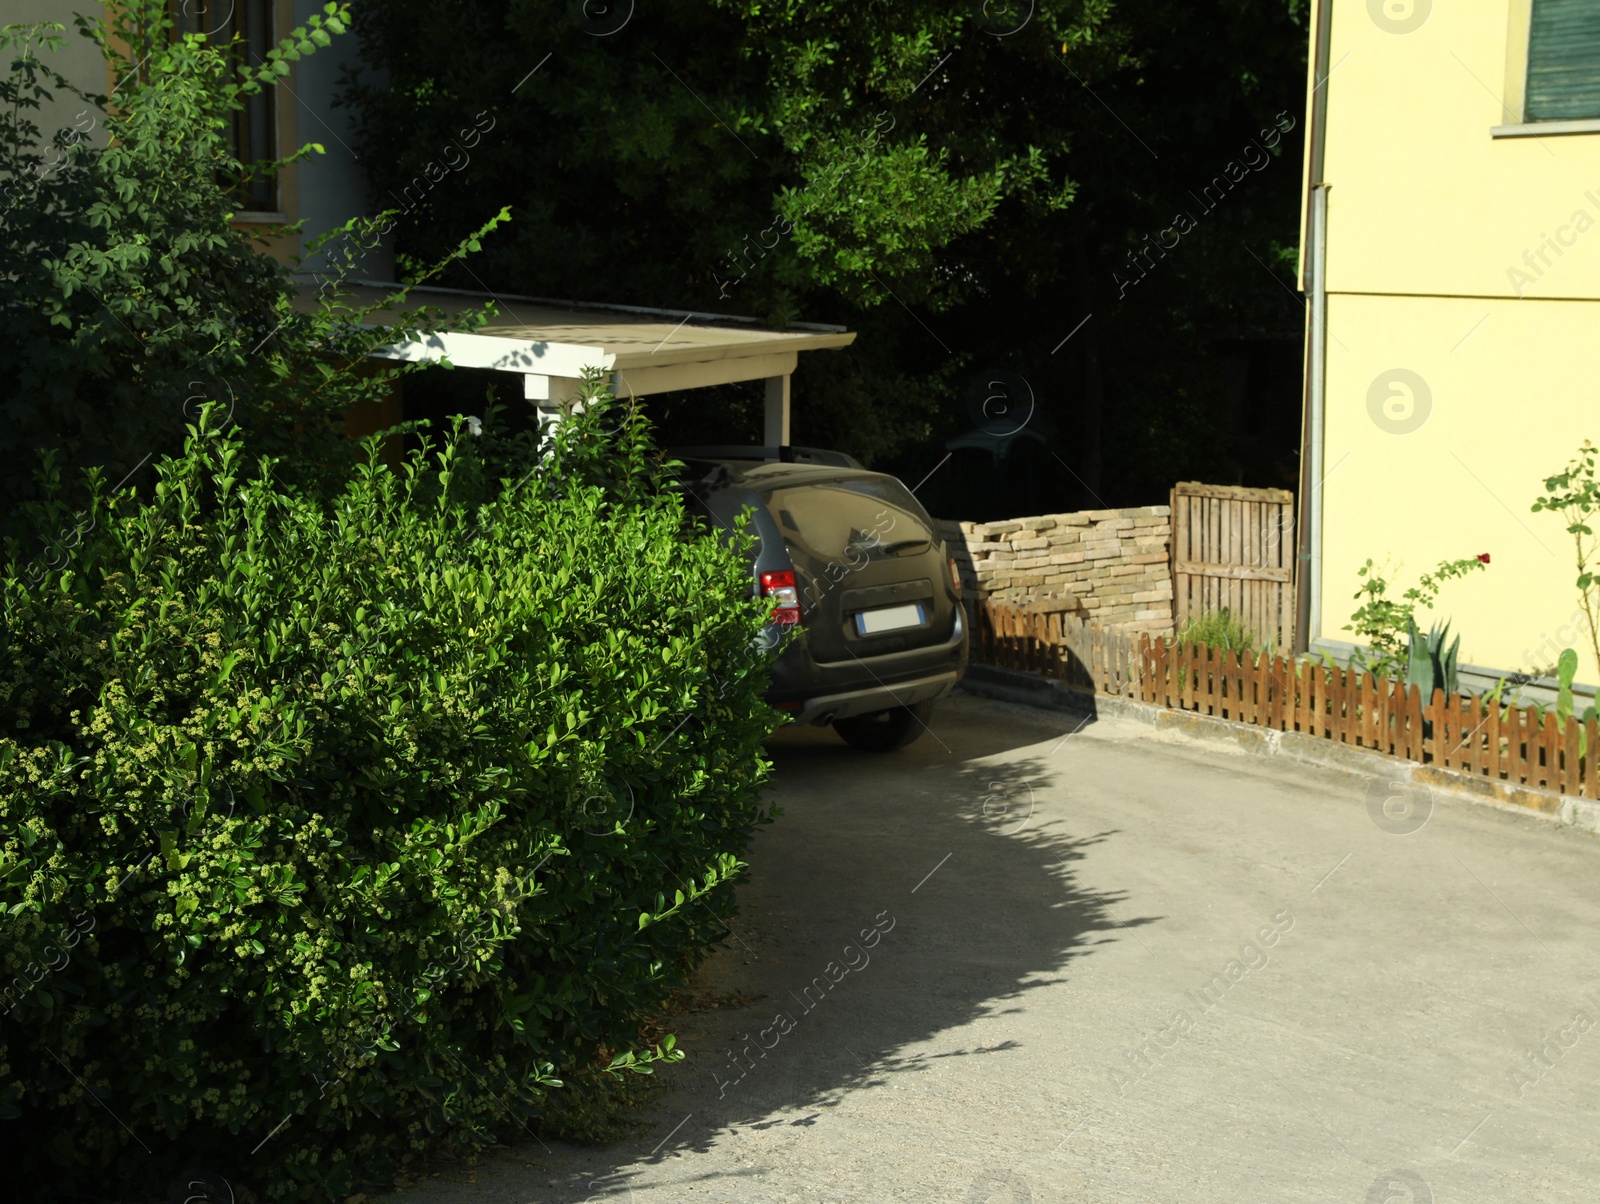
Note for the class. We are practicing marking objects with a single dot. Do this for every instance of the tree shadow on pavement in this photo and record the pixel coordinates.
(898, 897)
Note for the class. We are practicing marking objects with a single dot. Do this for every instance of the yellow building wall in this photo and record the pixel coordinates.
(1473, 262)
(1510, 391)
(1422, 199)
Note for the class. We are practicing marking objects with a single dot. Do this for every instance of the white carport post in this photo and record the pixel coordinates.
(556, 397)
(777, 414)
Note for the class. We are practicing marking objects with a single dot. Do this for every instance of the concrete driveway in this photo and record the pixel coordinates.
(1105, 966)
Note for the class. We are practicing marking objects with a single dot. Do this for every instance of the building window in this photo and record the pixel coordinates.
(246, 29)
(1563, 61)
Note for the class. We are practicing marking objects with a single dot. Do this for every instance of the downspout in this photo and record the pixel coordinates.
(1308, 580)
(1316, 385)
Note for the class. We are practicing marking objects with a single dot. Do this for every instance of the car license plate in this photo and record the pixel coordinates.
(890, 618)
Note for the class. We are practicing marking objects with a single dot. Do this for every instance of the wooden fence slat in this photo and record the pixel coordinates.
(1377, 728)
(1513, 723)
(1531, 731)
(1285, 695)
(1335, 703)
(1591, 780)
(1569, 755)
(1550, 771)
(1237, 687)
(1274, 685)
(1364, 709)
(1528, 748)
(1450, 729)
(1471, 738)
(1497, 714)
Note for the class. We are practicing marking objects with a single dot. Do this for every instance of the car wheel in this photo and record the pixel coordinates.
(885, 730)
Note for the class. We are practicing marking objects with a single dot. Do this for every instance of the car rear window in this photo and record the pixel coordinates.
(830, 518)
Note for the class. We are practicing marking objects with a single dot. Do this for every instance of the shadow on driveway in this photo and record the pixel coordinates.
(898, 897)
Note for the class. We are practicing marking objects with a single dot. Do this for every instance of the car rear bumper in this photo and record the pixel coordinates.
(819, 692)
(828, 707)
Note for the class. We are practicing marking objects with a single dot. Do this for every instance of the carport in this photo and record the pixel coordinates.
(549, 343)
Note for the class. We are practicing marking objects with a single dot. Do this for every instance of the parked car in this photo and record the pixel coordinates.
(868, 600)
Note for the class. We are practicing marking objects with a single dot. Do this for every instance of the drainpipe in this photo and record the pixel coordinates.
(1315, 409)
(1308, 580)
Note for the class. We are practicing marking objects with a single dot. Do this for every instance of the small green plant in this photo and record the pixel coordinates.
(1383, 624)
(1218, 629)
(1566, 671)
(1575, 494)
(1430, 665)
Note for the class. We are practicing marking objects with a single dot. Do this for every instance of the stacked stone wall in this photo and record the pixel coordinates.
(1111, 566)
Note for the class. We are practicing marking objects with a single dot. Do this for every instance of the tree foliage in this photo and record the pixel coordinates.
(961, 184)
(129, 298)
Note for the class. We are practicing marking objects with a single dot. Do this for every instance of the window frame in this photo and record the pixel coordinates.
(1519, 37)
(266, 205)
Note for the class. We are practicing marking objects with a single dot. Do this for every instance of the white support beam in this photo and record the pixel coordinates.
(644, 380)
(777, 413)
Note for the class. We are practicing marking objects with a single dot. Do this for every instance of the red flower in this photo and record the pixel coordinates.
(1483, 556)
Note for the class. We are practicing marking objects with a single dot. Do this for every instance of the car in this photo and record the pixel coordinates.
(867, 597)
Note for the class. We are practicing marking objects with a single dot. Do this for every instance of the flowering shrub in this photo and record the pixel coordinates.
(1384, 624)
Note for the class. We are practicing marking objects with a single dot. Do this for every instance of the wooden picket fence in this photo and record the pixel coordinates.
(1058, 645)
(1324, 701)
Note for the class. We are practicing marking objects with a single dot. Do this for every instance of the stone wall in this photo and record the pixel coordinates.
(1111, 566)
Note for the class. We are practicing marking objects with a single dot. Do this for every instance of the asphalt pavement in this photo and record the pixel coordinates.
(1021, 962)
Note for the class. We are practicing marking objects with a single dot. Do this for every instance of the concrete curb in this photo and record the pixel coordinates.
(1029, 689)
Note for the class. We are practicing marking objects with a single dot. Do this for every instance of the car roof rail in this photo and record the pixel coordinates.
(785, 454)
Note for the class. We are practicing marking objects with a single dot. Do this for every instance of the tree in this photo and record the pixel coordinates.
(962, 184)
(130, 300)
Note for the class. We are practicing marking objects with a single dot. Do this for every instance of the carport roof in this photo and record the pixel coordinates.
(560, 338)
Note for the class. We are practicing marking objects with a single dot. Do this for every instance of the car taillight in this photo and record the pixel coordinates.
(781, 588)
(955, 576)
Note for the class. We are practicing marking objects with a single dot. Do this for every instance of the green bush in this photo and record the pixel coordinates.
(334, 832)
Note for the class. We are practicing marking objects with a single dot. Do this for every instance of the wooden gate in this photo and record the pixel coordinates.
(1233, 549)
